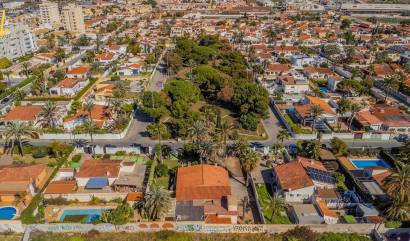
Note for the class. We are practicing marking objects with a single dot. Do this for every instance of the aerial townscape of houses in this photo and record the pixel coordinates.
(287, 117)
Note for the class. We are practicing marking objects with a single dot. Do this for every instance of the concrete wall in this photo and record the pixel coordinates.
(86, 197)
(205, 228)
(69, 136)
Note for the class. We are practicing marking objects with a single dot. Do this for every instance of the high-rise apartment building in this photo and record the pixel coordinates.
(73, 18)
(18, 42)
(49, 14)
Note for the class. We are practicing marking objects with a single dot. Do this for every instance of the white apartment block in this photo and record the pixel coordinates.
(18, 42)
(49, 14)
(73, 18)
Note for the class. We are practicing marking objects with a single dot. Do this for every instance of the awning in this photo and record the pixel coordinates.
(97, 183)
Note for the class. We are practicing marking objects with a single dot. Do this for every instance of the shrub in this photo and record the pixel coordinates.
(56, 201)
(250, 121)
(161, 170)
(393, 224)
(76, 238)
(119, 215)
(76, 158)
(121, 153)
(40, 153)
(343, 237)
(301, 233)
(95, 201)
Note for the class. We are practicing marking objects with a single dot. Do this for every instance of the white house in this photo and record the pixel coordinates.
(99, 115)
(133, 69)
(300, 60)
(105, 58)
(80, 72)
(293, 182)
(98, 169)
(292, 85)
(332, 82)
(69, 87)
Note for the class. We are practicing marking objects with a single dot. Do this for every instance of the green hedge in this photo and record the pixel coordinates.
(295, 127)
(27, 216)
(82, 92)
(18, 86)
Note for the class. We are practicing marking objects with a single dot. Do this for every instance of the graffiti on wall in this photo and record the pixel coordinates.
(188, 227)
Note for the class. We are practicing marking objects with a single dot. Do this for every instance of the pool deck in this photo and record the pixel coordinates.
(53, 212)
(346, 163)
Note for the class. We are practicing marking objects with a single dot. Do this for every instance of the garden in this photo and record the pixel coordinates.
(215, 87)
(273, 207)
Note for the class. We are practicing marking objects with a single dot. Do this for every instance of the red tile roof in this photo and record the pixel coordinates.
(214, 219)
(105, 56)
(68, 82)
(99, 168)
(16, 173)
(99, 115)
(202, 182)
(292, 176)
(307, 162)
(61, 187)
(278, 67)
(79, 70)
(23, 113)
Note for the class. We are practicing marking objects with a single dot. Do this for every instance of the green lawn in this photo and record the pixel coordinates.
(28, 158)
(349, 219)
(295, 126)
(264, 201)
(137, 159)
(10, 237)
(164, 181)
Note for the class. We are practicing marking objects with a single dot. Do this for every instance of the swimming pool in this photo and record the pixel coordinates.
(370, 163)
(84, 215)
(7, 213)
(324, 90)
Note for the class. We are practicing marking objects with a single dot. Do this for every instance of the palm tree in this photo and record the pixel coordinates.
(7, 73)
(398, 183)
(398, 210)
(315, 111)
(313, 149)
(277, 204)
(224, 131)
(14, 134)
(26, 66)
(277, 149)
(343, 106)
(206, 151)
(239, 148)
(48, 116)
(390, 83)
(157, 202)
(282, 135)
(198, 130)
(356, 108)
(89, 106)
(250, 161)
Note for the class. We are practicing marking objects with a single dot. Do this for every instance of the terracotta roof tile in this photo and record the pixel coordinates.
(202, 182)
(292, 176)
(61, 187)
(23, 113)
(99, 168)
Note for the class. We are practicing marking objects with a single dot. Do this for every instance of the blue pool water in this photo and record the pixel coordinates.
(7, 213)
(370, 163)
(92, 214)
(324, 90)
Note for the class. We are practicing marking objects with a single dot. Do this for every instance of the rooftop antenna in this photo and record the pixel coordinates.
(3, 31)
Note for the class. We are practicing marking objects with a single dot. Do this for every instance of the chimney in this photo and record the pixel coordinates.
(107, 173)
